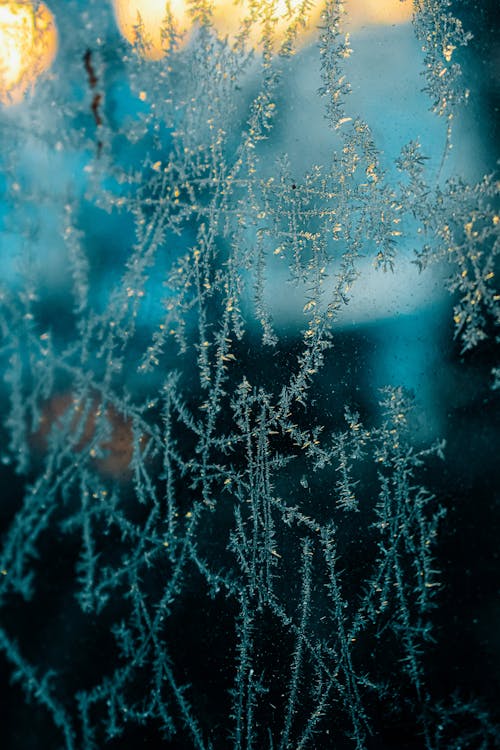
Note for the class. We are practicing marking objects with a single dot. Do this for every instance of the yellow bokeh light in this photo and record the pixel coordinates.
(230, 16)
(28, 45)
(151, 16)
(378, 12)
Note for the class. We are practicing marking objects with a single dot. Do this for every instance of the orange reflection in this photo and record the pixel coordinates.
(117, 450)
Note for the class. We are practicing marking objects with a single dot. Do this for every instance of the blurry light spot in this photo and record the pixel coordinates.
(28, 45)
(151, 22)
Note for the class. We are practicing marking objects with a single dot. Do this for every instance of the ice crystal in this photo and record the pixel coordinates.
(219, 532)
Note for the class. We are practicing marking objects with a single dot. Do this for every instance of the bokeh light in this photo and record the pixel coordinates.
(229, 17)
(28, 45)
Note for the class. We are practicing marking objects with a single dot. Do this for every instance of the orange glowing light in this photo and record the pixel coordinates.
(150, 17)
(229, 17)
(28, 45)
(113, 456)
(378, 12)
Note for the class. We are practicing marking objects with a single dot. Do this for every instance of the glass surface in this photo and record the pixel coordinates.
(249, 309)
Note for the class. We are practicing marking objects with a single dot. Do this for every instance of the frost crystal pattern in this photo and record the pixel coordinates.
(223, 506)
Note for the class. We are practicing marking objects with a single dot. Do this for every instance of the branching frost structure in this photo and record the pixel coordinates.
(168, 438)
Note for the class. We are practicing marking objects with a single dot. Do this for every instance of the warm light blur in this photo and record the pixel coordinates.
(151, 15)
(229, 15)
(228, 18)
(112, 457)
(28, 45)
(367, 12)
